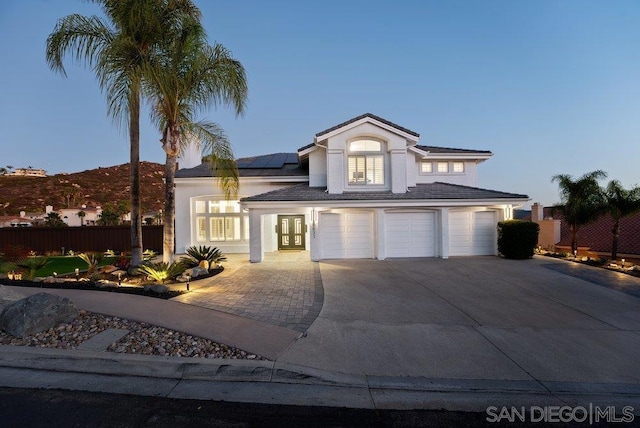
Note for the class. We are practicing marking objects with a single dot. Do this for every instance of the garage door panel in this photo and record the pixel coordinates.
(410, 234)
(472, 233)
(346, 235)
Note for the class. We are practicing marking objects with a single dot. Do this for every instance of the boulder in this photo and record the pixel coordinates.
(108, 269)
(103, 283)
(37, 313)
(195, 272)
(156, 288)
(8, 296)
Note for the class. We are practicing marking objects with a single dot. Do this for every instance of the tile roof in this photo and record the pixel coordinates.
(372, 116)
(444, 150)
(302, 192)
(308, 146)
(274, 164)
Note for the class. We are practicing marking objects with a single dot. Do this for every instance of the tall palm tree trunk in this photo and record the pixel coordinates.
(169, 209)
(574, 239)
(616, 238)
(134, 177)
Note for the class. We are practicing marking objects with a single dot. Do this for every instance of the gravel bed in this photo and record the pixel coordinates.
(142, 339)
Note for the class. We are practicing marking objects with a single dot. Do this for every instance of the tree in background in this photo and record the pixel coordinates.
(82, 215)
(582, 201)
(619, 203)
(117, 49)
(190, 77)
(53, 220)
(110, 216)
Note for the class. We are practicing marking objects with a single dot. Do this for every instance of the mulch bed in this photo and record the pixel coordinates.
(93, 286)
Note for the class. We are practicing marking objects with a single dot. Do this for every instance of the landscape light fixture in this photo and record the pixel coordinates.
(119, 279)
(77, 273)
(622, 263)
(188, 280)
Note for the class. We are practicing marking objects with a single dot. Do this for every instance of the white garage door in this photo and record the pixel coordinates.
(410, 234)
(472, 233)
(347, 236)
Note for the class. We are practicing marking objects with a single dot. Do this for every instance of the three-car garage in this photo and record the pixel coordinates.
(415, 233)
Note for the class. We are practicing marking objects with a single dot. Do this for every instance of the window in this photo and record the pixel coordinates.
(426, 167)
(220, 220)
(458, 167)
(367, 167)
(443, 167)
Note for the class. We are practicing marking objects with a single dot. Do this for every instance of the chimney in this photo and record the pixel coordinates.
(537, 212)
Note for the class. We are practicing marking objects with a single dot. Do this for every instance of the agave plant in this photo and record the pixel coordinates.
(213, 255)
(91, 259)
(162, 271)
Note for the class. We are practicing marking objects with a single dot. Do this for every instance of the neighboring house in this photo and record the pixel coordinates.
(28, 172)
(15, 221)
(363, 189)
(71, 218)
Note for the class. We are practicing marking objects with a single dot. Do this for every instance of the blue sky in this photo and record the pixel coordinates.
(548, 86)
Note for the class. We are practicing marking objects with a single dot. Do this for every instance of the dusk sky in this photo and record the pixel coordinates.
(549, 87)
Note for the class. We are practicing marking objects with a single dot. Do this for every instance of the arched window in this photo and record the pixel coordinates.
(365, 162)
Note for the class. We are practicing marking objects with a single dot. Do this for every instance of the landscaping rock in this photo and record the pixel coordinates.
(196, 272)
(103, 283)
(8, 296)
(108, 269)
(37, 313)
(122, 273)
(156, 288)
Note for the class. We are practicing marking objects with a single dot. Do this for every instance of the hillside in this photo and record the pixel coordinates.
(93, 187)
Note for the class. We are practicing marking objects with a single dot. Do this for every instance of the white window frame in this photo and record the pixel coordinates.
(426, 163)
(221, 221)
(371, 151)
(440, 169)
(457, 164)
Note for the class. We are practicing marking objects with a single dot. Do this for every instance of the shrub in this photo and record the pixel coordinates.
(517, 239)
(91, 259)
(32, 264)
(148, 254)
(213, 255)
(123, 263)
(13, 253)
(162, 271)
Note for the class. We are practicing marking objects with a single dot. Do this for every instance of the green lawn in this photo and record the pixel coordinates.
(67, 264)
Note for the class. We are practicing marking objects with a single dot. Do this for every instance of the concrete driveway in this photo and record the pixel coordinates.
(482, 318)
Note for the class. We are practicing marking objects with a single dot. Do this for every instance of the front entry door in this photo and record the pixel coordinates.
(291, 232)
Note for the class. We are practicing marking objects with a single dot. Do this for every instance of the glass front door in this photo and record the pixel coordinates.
(291, 229)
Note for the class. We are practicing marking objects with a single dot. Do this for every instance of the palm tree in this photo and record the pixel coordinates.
(582, 201)
(117, 50)
(191, 77)
(82, 215)
(619, 203)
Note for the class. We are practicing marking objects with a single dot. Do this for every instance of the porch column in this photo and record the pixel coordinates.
(444, 233)
(256, 252)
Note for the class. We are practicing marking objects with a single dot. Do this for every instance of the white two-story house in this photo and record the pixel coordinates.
(363, 189)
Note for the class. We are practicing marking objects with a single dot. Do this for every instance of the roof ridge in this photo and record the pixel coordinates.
(372, 116)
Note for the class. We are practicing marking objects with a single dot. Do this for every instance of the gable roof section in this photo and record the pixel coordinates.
(372, 116)
(274, 164)
(436, 191)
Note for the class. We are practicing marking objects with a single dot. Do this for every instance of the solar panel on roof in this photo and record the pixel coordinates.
(277, 160)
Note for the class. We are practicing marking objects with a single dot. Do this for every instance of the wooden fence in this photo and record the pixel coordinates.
(45, 240)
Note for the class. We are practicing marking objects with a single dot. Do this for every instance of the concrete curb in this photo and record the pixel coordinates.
(280, 383)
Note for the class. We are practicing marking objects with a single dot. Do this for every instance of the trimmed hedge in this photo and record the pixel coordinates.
(517, 239)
